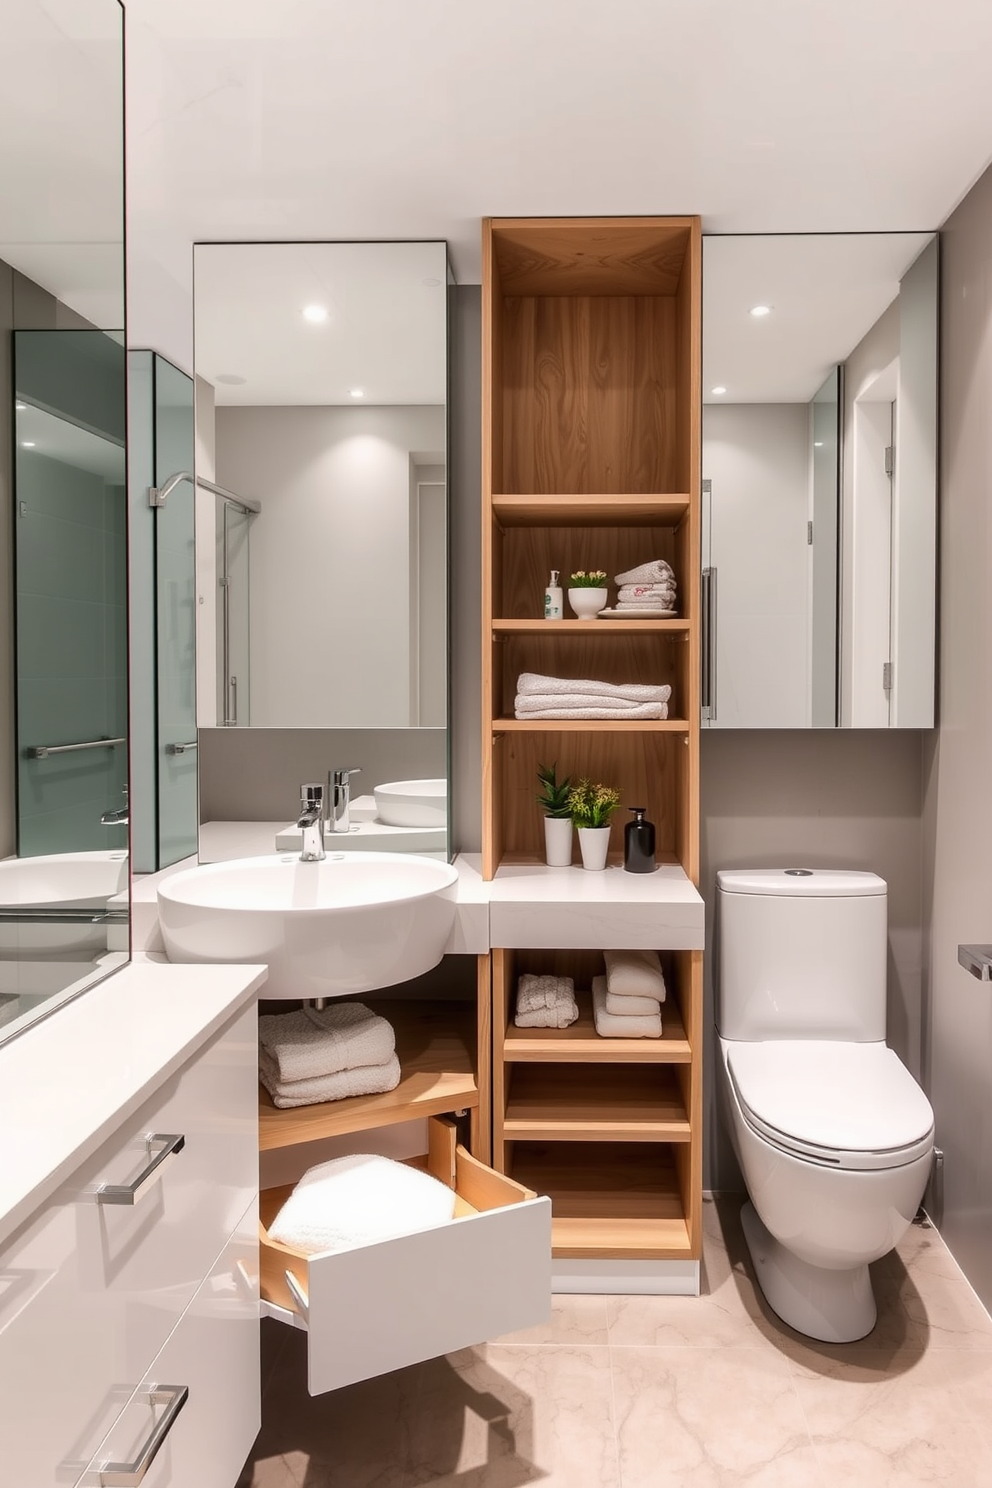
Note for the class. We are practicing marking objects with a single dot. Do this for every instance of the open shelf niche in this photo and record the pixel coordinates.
(591, 459)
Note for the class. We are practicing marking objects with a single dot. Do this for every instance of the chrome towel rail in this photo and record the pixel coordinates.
(181, 748)
(42, 751)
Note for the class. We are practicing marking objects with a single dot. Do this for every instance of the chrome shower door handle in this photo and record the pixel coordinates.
(129, 1474)
(708, 657)
(130, 1193)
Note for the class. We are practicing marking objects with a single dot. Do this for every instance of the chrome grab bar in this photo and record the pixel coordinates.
(129, 1474)
(42, 751)
(977, 959)
(181, 748)
(130, 1193)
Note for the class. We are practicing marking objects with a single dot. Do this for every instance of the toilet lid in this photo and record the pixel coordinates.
(847, 1105)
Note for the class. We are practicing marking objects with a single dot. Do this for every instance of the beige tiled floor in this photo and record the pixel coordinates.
(662, 1392)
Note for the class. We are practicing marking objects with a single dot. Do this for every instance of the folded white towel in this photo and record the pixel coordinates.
(562, 1015)
(645, 592)
(635, 974)
(608, 1025)
(535, 702)
(643, 710)
(656, 572)
(370, 1079)
(535, 992)
(625, 607)
(359, 1200)
(630, 1007)
(304, 1045)
(634, 692)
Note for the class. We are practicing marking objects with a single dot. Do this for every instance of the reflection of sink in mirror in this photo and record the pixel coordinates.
(412, 803)
(346, 925)
(369, 833)
(61, 881)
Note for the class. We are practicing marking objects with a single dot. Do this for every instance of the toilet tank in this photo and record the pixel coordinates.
(801, 953)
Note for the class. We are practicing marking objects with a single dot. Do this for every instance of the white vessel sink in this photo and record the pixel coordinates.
(412, 803)
(81, 880)
(348, 924)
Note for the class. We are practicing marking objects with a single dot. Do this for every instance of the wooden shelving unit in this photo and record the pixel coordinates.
(591, 459)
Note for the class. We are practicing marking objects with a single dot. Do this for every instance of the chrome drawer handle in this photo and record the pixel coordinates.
(130, 1193)
(126, 1474)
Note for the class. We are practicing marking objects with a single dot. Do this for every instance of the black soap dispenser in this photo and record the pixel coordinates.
(638, 843)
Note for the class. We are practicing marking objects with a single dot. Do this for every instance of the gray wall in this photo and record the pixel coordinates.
(958, 817)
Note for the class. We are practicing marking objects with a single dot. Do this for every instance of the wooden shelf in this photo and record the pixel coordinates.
(594, 1103)
(559, 629)
(608, 1201)
(590, 726)
(582, 1044)
(589, 511)
(435, 1042)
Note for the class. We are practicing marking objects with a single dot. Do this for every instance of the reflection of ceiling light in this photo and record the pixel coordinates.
(357, 392)
(315, 314)
(817, 443)
(432, 283)
(759, 310)
(717, 391)
(230, 379)
(27, 444)
(20, 407)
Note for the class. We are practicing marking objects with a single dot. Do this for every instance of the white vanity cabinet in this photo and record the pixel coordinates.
(139, 1268)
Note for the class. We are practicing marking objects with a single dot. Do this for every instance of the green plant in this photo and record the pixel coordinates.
(595, 579)
(553, 799)
(592, 805)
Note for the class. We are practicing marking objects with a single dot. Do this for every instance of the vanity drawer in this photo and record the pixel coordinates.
(379, 1307)
(201, 1396)
(90, 1291)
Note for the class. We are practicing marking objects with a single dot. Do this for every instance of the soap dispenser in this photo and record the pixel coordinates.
(638, 843)
(553, 598)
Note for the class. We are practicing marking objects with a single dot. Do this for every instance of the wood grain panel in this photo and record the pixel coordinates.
(482, 1130)
(590, 256)
(589, 509)
(581, 1044)
(529, 554)
(645, 767)
(504, 980)
(590, 394)
(595, 1102)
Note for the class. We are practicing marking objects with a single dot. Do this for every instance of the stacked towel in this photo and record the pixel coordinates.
(628, 1025)
(307, 1057)
(359, 1200)
(566, 697)
(545, 1002)
(651, 586)
(627, 1001)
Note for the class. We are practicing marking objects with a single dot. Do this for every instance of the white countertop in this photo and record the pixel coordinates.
(69, 1081)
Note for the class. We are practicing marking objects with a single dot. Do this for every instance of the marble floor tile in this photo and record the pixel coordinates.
(517, 1416)
(709, 1418)
(903, 1430)
(574, 1319)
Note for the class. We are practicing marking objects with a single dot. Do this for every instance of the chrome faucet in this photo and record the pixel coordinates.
(312, 817)
(339, 790)
(117, 818)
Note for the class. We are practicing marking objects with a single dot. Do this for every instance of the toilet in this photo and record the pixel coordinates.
(833, 1134)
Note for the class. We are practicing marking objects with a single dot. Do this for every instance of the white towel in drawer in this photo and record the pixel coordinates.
(196, 1412)
(90, 1290)
(373, 1308)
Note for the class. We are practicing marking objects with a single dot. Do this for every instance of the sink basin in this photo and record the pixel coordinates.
(349, 924)
(412, 803)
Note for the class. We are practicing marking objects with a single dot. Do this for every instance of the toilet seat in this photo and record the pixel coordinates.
(843, 1105)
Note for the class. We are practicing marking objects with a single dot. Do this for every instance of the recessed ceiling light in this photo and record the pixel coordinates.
(315, 314)
(27, 444)
(717, 391)
(759, 310)
(230, 379)
(817, 443)
(357, 392)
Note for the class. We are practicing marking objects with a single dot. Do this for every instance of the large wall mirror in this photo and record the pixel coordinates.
(321, 372)
(819, 480)
(64, 867)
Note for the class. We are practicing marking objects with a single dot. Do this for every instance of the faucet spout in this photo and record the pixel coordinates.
(311, 822)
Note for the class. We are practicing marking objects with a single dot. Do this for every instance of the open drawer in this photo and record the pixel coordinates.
(379, 1307)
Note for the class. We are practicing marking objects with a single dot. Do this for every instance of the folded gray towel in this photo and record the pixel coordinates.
(656, 572)
(536, 992)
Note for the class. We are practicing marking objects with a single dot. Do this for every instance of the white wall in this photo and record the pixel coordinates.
(206, 562)
(757, 457)
(330, 564)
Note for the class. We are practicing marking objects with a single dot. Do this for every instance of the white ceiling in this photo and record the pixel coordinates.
(824, 293)
(385, 332)
(317, 119)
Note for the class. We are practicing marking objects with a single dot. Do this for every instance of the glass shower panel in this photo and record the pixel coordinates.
(233, 631)
(175, 611)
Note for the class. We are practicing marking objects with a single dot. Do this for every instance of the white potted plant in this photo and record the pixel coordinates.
(591, 807)
(587, 593)
(553, 801)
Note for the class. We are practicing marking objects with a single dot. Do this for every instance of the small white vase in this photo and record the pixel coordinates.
(558, 841)
(587, 603)
(594, 844)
